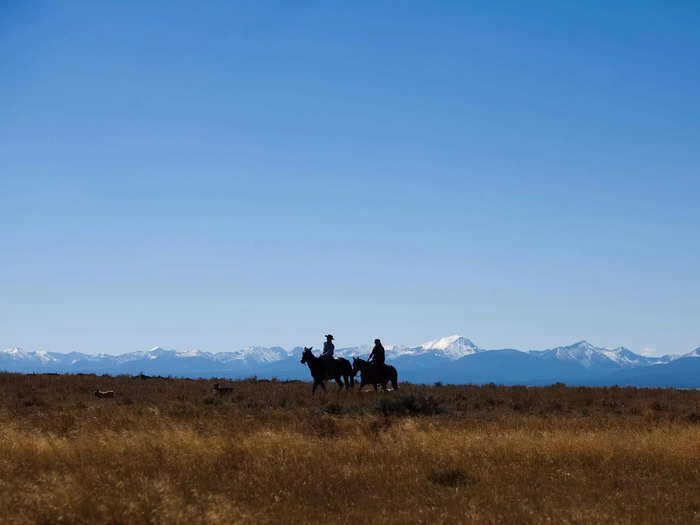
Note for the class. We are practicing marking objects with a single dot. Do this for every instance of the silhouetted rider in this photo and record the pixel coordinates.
(328, 347)
(377, 356)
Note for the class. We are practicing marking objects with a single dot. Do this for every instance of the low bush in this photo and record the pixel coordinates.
(411, 404)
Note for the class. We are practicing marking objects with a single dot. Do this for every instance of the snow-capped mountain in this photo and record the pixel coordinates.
(694, 353)
(18, 354)
(589, 356)
(453, 359)
(452, 347)
(255, 354)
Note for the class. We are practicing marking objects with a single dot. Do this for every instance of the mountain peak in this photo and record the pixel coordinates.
(582, 344)
(453, 346)
(694, 353)
(16, 352)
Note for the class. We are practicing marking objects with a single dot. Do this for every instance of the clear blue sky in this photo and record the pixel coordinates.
(222, 174)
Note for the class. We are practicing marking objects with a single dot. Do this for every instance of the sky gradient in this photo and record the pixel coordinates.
(228, 174)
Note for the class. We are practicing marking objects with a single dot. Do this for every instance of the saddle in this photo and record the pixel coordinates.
(330, 364)
(380, 369)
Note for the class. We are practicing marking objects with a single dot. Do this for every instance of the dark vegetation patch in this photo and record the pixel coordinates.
(450, 477)
(410, 405)
(335, 408)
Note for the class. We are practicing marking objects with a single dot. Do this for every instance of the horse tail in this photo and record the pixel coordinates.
(394, 378)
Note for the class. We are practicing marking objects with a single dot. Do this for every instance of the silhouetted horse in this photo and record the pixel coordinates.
(371, 374)
(323, 369)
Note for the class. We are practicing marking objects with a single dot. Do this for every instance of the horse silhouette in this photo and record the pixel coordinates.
(323, 369)
(371, 374)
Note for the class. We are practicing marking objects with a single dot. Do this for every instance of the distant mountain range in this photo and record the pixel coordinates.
(453, 359)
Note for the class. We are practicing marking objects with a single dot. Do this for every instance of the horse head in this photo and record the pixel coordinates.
(356, 365)
(307, 354)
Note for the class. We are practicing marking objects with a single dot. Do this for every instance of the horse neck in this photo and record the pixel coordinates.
(312, 360)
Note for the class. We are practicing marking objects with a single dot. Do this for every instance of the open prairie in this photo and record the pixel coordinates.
(172, 451)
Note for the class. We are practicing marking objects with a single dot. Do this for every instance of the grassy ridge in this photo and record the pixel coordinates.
(169, 451)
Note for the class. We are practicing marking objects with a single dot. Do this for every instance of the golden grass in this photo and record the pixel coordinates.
(168, 451)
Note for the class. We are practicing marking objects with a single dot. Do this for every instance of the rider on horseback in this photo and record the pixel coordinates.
(377, 356)
(375, 372)
(328, 347)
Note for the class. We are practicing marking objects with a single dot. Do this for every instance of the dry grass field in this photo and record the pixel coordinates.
(170, 451)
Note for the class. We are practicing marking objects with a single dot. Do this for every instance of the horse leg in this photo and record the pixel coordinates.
(339, 380)
(323, 385)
